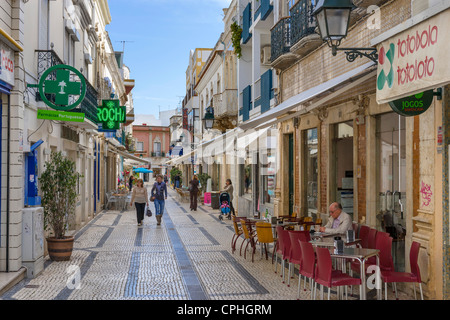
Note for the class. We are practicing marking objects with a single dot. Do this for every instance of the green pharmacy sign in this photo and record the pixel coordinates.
(110, 114)
(413, 105)
(59, 88)
(60, 115)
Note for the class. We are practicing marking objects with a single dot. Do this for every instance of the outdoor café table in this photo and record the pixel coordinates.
(360, 254)
(121, 197)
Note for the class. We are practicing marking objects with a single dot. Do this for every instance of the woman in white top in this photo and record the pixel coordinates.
(140, 199)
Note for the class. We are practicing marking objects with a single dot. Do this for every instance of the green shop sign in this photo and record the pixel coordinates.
(61, 85)
(60, 115)
(110, 114)
(413, 105)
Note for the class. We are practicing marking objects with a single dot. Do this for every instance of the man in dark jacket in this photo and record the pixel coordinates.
(159, 195)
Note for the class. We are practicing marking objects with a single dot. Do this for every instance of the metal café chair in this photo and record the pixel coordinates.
(111, 199)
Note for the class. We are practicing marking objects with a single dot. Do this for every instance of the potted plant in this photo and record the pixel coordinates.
(58, 185)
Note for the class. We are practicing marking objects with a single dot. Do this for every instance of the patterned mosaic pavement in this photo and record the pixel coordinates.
(187, 257)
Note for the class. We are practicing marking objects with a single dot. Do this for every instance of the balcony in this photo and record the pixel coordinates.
(158, 154)
(304, 39)
(281, 44)
(49, 58)
(225, 106)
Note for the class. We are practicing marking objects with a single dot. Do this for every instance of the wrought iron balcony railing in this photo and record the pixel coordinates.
(302, 20)
(49, 58)
(281, 38)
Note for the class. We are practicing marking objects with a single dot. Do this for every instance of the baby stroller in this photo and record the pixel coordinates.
(225, 209)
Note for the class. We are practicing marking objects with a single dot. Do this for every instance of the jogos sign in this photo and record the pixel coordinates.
(414, 60)
(110, 114)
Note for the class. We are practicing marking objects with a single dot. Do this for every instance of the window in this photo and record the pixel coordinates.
(391, 182)
(157, 148)
(139, 146)
(310, 170)
(268, 176)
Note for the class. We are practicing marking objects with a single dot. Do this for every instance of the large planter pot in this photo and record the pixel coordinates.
(60, 249)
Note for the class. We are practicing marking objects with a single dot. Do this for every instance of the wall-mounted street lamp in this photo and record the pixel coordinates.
(333, 18)
(208, 119)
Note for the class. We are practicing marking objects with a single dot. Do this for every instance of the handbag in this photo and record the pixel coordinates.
(149, 212)
(152, 199)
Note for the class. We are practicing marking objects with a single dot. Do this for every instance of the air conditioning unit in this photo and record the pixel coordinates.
(265, 55)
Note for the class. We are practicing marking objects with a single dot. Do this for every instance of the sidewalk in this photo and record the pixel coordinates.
(187, 257)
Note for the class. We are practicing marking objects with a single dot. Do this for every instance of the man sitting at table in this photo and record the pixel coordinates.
(339, 221)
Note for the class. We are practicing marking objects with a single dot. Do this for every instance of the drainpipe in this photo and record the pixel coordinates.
(8, 147)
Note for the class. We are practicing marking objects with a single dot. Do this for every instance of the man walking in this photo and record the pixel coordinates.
(159, 195)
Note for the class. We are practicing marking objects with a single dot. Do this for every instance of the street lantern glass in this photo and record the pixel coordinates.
(208, 120)
(333, 17)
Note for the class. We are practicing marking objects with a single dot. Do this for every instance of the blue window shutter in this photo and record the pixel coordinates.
(266, 9)
(246, 23)
(266, 88)
(247, 97)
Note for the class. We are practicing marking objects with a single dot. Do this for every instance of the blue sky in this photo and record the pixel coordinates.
(163, 32)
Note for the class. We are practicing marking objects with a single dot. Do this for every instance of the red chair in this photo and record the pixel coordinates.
(413, 276)
(386, 252)
(364, 236)
(384, 244)
(325, 276)
(372, 238)
(283, 248)
(295, 255)
(308, 265)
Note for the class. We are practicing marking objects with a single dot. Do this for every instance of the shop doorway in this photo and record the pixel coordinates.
(310, 172)
(291, 173)
(391, 182)
(342, 153)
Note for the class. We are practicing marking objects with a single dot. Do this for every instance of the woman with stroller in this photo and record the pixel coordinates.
(229, 189)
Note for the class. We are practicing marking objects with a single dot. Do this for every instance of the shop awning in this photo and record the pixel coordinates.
(132, 157)
(186, 159)
(348, 80)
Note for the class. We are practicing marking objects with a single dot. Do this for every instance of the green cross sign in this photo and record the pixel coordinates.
(62, 87)
(110, 114)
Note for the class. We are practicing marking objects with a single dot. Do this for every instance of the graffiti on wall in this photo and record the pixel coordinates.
(426, 194)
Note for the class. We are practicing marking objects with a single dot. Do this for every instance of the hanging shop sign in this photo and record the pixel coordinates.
(60, 115)
(415, 60)
(63, 86)
(413, 105)
(7, 65)
(110, 114)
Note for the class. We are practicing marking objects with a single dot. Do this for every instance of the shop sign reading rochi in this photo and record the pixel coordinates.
(414, 60)
(110, 114)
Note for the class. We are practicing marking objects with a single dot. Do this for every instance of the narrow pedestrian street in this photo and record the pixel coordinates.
(188, 257)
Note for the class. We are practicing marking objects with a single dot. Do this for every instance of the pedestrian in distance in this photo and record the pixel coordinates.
(177, 182)
(158, 196)
(193, 192)
(130, 182)
(140, 198)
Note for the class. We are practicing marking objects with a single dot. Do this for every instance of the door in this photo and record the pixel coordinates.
(291, 173)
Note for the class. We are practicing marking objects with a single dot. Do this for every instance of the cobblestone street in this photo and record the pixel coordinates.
(187, 257)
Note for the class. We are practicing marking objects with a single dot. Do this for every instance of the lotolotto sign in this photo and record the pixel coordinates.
(414, 60)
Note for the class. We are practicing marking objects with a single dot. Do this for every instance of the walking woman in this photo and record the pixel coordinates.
(193, 192)
(159, 194)
(229, 189)
(140, 199)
